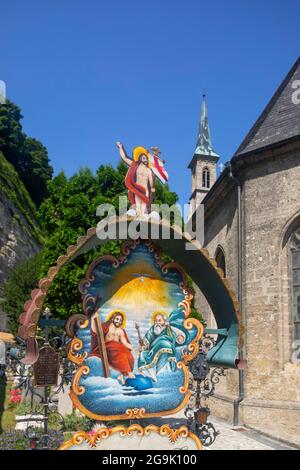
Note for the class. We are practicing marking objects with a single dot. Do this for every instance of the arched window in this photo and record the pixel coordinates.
(295, 261)
(205, 177)
(220, 259)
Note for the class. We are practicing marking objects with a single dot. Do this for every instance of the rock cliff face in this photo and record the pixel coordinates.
(20, 236)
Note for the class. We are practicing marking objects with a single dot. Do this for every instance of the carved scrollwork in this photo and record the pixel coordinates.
(156, 250)
(74, 322)
(79, 389)
(173, 435)
(90, 304)
(74, 346)
(126, 248)
(136, 413)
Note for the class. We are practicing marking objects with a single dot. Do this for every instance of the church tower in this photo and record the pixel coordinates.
(204, 162)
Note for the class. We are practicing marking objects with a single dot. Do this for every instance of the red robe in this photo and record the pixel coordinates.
(119, 357)
(135, 189)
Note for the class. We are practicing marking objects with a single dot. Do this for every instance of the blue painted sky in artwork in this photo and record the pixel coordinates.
(100, 284)
(104, 273)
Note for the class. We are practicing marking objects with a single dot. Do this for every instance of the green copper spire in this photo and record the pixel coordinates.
(204, 145)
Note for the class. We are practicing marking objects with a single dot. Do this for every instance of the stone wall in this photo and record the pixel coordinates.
(198, 191)
(17, 243)
(221, 230)
(270, 204)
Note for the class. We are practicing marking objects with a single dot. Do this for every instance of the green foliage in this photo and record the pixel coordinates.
(73, 422)
(34, 169)
(2, 399)
(163, 195)
(28, 156)
(17, 290)
(16, 192)
(68, 212)
(63, 297)
(194, 312)
(18, 440)
(11, 136)
(25, 408)
(7, 413)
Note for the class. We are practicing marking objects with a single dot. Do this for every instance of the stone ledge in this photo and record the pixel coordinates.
(25, 421)
(264, 432)
(274, 404)
(277, 404)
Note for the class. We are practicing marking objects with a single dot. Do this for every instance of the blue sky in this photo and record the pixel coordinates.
(88, 73)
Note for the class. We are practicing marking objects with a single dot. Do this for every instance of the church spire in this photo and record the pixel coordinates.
(204, 162)
(204, 145)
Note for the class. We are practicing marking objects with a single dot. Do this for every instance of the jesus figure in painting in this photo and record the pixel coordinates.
(117, 344)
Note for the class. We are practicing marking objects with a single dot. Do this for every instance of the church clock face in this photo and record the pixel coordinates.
(132, 348)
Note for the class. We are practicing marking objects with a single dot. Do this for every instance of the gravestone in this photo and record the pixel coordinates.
(65, 406)
(46, 368)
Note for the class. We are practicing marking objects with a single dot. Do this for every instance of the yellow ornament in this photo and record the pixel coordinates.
(138, 151)
(158, 312)
(117, 311)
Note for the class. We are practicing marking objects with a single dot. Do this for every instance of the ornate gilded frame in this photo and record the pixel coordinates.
(104, 433)
(89, 305)
(29, 318)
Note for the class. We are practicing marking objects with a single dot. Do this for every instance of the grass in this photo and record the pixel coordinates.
(7, 410)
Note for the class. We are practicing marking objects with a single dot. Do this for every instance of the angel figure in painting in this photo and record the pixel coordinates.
(111, 343)
(140, 177)
(158, 347)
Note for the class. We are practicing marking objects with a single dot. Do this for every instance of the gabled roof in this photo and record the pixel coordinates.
(280, 120)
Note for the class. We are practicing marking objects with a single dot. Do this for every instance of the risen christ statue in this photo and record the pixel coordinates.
(139, 180)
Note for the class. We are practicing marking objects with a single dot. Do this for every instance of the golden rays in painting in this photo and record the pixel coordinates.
(141, 290)
(139, 285)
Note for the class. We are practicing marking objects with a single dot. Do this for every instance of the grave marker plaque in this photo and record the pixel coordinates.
(46, 368)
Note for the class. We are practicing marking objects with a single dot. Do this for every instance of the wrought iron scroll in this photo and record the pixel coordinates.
(203, 380)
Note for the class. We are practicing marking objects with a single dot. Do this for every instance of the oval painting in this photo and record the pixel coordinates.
(135, 338)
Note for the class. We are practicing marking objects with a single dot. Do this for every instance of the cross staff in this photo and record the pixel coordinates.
(101, 343)
(141, 341)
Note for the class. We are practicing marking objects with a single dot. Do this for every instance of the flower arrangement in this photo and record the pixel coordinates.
(17, 440)
(15, 395)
